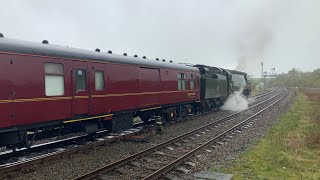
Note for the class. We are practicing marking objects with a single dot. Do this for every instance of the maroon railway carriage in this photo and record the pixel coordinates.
(45, 88)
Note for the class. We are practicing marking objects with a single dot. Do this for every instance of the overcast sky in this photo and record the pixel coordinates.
(236, 34)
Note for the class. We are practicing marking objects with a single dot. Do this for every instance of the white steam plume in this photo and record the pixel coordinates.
(236, 102)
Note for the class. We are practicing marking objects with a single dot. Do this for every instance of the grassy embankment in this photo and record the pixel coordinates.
(290, 150)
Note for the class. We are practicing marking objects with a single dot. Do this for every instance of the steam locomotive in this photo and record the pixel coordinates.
(48, 90)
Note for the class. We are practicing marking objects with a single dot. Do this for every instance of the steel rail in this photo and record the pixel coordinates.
(143, 153)
(60, 154)
(263, 94)
(167, 168)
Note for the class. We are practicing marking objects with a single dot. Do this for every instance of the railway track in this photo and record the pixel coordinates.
(39, 147)
(264, 94)
(60, 153)
(55, 144)
(160, 159)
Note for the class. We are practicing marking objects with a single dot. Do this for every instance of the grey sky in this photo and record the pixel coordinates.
(224, 33)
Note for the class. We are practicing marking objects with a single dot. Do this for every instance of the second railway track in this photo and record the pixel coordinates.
(158, 160)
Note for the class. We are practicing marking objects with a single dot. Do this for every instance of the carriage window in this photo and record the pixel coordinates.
(81, 80)
(182, 81)
(54, 79)
(192, 82)
(99, 80)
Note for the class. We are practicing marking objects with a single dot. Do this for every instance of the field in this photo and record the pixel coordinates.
(290, 150)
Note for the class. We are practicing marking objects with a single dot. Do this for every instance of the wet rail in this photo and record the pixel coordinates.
(138, 160)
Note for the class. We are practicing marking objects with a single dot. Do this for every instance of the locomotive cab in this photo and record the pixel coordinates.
(239, 82)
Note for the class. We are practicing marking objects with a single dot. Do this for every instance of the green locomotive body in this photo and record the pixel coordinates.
(217, 84)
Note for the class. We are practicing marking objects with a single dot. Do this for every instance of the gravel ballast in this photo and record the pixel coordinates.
(224, 155)
(81, 163)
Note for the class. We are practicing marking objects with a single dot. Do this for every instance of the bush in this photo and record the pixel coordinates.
(297, 78)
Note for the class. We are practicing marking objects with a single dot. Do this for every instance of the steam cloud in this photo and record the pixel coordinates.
(236, 102)
(255, 36)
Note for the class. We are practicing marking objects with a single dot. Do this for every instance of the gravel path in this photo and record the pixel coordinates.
(81, 163)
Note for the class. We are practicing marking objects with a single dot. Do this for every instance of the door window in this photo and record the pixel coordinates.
(182, 81)
(81, 80)
(192, 82)
(99, 80)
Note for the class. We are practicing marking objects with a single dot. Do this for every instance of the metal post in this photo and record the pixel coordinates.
(264, 79)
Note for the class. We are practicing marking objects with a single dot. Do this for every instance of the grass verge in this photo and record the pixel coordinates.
(290, 150)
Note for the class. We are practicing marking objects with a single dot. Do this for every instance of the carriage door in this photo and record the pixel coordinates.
(80, 88)
(98, 88)
(7, 91)
(150, 86)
